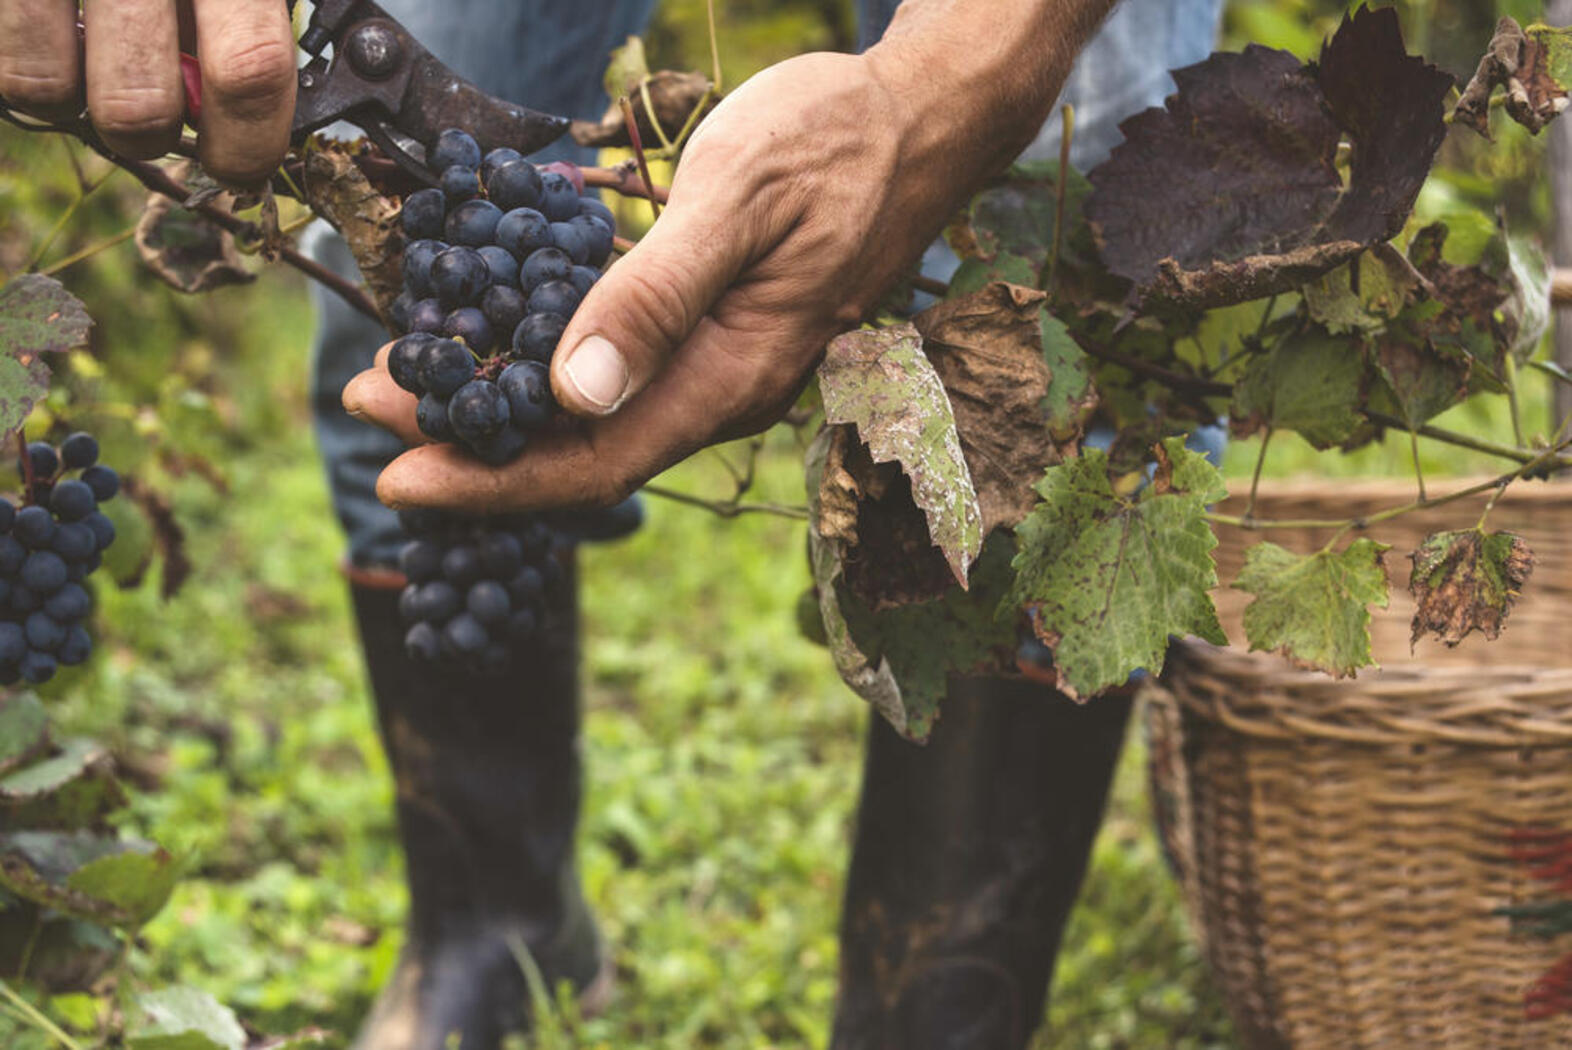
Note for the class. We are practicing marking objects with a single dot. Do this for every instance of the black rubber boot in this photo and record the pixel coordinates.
(488, 781)
(969, 853)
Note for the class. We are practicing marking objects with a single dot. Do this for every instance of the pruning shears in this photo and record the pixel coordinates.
(383, 80)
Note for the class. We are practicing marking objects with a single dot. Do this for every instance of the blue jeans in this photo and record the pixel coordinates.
(549, 54)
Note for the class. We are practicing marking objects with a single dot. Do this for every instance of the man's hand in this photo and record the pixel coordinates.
(128, 74)
(800, 199)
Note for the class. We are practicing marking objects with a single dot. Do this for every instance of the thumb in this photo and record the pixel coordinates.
(645, 307)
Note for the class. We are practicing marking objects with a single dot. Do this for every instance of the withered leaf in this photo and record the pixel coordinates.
(673, 96)
(1467, 581)
(1231, 192)
(185, 250)
(987, 349)
(338, 190)
(1309, 382)
(1532, 67)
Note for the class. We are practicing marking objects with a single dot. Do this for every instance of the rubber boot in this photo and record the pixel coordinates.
(969, 853)
(487, 770)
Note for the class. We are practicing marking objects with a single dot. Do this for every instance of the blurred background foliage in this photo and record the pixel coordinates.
(724, 752)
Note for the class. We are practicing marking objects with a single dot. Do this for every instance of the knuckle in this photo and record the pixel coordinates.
(251, 76)
(135, 111)
(27, 87)
(654, 290)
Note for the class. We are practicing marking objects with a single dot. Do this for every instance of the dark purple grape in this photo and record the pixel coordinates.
(72, 500)
(8, 509)
(76, 648)
(46, 464)
(404, 361)
(583, 278)
(12, 553)
(70, 603)
(423, 213)
(431, 415)
(427, 316)
(488, 602)
(472, 223)
(420, 560)
(37, 668)
(459, 277)
(446, 366)
(461, 565)
(515, 185)
(35, 527)
(527, 386)
(423, 642)
(522, 231)
(502, 447)
(438, 600)
(545, 264)
(418, 257)
(103, 480)
(79, 451)
(43, 631)
(500, 554)
(44, 572)
(504, 307)
(572, 241)
(496, 159)
(559, 200)
(103, 532)
(13, 642)
(597, 234)
(460, 184)
(554, 297)
(398, 309)
(74, 541)
(468, 324)
(522, 624)
(503, 266)
(454, 147)
(596, 207)
(465, 635)
(536, 336)
(478, 410)
(527, 588)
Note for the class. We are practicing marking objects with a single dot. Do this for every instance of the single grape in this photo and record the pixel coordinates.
(421, 560)
(527, 386)
(431, 416)
(69, 604)
(78, 451)
(409, 605)
(461, 565)
(571, 241)
(465, 634)
(478, 410)
(74, 541)
(597, 208)
(459, 276)
(515, 185)
(469, 325)
(501, 447)
(536, 336)
(43, 631)
(445, 367)
(8, 514)
(103, 530)
(504, 268)
(23, 600)
(559, 200)
(35, 526)
(523, 231)
(418, 257)
(76, 648)
(454, 147)
(438, 601)
(103, 480)
(527, 588)
(472, 223)
(46, 464)
(496, 159)
(606, 523)
(73, 500)
(44, 572)
(504, 307)
(422, 642)
(542, 265)
(554, 297)
(423, 213)
(460, 184)
(597, 234)
(427, 316)
(12, 554)
(500, 554)
(37, 668)
(488, 602)
(583, 278)
(404, 362)
(399, 308)
(13, 642)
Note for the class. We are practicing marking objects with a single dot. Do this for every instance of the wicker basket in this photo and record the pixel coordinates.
(1345, 846)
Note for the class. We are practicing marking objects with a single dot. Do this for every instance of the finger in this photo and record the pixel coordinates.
(247, 52)
(133, 75)
(719, 378)
(40, 71)
(647, 305)
(372, 396)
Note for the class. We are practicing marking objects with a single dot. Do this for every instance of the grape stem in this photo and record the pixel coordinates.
(624, 179)
(27, 465)
(638, 149)
(728, 508)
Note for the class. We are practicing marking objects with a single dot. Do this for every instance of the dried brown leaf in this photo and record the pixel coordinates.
(338, 190)
(1467, 581)
(185, 250)
(673, 95)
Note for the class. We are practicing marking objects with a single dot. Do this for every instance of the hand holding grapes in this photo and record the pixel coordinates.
(796, 204)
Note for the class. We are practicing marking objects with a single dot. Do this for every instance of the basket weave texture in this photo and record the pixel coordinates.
(1344, 846)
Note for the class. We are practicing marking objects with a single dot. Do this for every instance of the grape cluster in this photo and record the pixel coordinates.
(496, 261)
(477, 587)
(48, 547)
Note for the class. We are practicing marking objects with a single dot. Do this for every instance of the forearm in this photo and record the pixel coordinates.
(981, 75)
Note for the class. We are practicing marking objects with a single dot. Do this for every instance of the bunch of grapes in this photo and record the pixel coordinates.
(48, 547)
(477, 586)
(496, 262)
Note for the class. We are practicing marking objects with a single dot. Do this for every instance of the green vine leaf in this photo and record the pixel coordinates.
(1308, 382)
(1108, 579)
(880, 381)
(119, 883)
(37, 316)
(24, 730)
(1363, 295)
(1313, 608)
(182, 1018)
(1466, 581)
